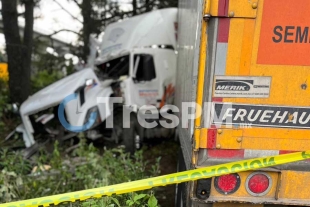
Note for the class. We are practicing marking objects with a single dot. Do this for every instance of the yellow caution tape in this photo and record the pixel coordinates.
(190, 175)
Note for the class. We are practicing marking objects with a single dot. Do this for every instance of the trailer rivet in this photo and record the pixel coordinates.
(220, 131)
(254, 5)
(239, 139)
(206, 17)
(231, 14)
(304, 86)
(218, 146)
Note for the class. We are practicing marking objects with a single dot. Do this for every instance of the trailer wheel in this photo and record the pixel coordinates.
(131, 136)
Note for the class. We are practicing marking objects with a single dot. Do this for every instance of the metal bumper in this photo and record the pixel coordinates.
(289, 187)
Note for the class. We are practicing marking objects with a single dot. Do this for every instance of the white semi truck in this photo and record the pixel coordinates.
(137, 63)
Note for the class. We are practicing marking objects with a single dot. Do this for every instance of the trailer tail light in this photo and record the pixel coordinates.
(258, 184)
(227, 184)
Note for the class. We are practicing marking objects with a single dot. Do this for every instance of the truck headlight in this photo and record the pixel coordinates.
(89, 112)
(89, 82)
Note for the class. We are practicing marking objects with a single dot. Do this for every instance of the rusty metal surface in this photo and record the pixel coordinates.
(294, 185)
(287, 188)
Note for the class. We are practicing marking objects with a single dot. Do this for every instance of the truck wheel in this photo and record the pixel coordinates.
(118, 129)
(131, 136)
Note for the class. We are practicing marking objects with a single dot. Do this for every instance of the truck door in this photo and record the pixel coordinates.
(145, 81)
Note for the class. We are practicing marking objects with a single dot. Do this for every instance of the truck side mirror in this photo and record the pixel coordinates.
(15, 108)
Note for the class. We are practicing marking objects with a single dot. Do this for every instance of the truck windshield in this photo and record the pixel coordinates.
(115, 68)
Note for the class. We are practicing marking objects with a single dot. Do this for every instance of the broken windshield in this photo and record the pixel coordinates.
(115, 68)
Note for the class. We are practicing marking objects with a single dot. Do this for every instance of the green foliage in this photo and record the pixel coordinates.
(48, 67)
(133, 200)
(8, 121)
(86, 168)
(44, 78)
(3, 101)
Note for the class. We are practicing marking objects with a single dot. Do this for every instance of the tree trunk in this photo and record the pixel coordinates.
(134, 7)
(87, 27)
(15, 51)
(28, 43)
(147, 6)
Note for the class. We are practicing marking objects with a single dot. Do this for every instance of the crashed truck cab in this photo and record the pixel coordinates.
(49, 98)
(141, 51)
(137, 62)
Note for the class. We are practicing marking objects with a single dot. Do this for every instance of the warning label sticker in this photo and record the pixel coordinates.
(285, 33)
(241, 87)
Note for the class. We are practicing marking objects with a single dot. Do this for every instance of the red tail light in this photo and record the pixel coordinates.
(258, 184)
(227, 184)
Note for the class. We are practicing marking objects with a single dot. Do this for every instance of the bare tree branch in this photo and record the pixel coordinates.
(129, 13)
(49, 36)
(67, 11)
(56, 32)
(77, 3)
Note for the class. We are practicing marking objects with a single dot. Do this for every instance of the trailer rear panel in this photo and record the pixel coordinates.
(255, 75)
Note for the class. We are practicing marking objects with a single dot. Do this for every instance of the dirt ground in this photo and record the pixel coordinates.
(168, 151)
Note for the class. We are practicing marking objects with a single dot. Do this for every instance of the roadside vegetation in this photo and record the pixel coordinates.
(85, 168)
(7, 120)
(54, 170)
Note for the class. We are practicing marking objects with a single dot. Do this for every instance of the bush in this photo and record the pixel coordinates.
(44, 78)
(3, 101)
(84, 169)
(8, 121)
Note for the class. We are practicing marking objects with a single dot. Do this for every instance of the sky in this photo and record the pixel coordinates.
(50, 17)
(53, 18)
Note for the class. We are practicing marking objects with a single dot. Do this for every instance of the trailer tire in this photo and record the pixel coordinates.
(118, 128)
